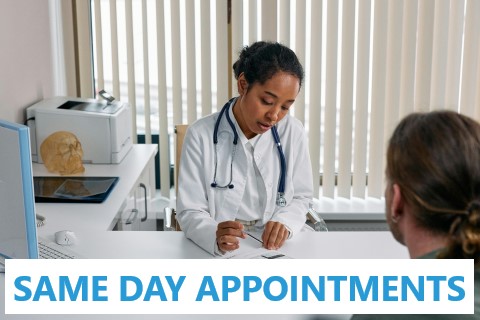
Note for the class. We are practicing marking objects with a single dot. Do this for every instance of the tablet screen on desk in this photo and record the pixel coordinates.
(73, 189)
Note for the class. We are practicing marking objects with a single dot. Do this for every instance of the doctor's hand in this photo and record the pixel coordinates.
(274, 235)
(228, 233)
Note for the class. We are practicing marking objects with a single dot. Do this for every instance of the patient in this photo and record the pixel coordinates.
(433, 192)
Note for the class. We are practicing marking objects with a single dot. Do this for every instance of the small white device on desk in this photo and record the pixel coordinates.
(103, 128)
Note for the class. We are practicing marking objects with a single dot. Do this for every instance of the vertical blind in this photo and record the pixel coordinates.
(368, 63)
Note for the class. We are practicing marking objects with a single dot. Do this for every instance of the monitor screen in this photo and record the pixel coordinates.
(18, 233)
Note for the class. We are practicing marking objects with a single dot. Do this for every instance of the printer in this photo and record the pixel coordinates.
(103, 128)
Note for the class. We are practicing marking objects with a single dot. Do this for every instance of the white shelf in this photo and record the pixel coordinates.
(137, 165)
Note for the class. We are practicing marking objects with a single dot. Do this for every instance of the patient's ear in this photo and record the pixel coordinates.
(398, 202)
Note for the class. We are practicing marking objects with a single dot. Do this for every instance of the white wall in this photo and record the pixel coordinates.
(25, 56)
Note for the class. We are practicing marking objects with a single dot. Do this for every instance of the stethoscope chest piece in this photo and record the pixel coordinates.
(281, 201)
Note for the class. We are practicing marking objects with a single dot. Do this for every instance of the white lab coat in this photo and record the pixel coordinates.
(200, 207)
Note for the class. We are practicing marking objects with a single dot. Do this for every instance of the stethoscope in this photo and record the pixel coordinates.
(283, 164)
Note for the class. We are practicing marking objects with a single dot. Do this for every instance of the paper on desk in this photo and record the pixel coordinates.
(252, 249)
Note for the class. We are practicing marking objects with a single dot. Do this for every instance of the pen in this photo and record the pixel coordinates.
(248, 234)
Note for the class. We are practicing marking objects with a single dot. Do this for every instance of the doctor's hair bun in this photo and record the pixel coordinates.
(260, 61)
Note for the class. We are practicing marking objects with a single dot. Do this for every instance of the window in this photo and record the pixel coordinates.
(368, 63)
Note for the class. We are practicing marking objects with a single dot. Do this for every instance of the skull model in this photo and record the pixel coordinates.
(62, 152)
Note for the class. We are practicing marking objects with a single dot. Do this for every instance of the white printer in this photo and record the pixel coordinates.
(103, 128)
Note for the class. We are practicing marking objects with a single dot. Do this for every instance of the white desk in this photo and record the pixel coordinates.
(174, 245)
(151, 244)
(138, 165)
(91, 223)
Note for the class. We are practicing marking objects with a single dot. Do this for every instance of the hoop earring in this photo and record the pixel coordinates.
(394, 218)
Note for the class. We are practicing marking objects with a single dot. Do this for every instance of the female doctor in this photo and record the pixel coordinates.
(248, 165)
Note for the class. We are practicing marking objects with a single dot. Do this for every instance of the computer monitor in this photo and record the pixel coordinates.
(18, 232)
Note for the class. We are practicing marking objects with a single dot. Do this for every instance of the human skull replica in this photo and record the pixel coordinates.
(62, 152)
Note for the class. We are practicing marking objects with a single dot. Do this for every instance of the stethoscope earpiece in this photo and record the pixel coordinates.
(213, 185)
(230, 186)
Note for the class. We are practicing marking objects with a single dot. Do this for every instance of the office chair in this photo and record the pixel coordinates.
(314, 219)
(170, 222)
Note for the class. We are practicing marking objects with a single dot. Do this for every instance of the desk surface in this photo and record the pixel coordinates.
(90, 222)
(167, 245)
(90, 216)
(174, 245)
